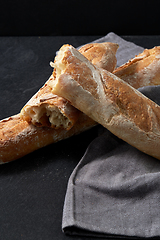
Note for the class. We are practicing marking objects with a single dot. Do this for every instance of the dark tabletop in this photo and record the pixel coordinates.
(32, 189)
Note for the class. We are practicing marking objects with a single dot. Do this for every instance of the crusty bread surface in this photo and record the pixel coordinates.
(48, 118)
(101, 95)
(143, 70)
(102, 55)
(48, 109)
(19, 138)
(109, 101)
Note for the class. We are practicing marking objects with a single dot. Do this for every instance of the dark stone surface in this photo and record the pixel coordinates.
(32, 189)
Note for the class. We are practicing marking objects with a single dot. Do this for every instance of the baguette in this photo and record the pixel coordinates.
(19, 138)
(48, 109)
(143, 70)
(102, 55)
(108, 100)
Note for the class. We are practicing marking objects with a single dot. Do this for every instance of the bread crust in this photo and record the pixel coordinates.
(110, 101)
(50, 110)
(46, 109)
(143, 70)
(19, 138)
(102, 55)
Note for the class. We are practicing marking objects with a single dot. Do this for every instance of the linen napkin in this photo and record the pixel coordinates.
(115, 189)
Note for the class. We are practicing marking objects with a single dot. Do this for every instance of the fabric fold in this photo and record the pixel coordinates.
(114, 190)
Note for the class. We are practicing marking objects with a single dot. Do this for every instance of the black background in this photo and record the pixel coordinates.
(50, 18)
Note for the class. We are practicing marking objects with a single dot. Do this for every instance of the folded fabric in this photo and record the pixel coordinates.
(114, 190)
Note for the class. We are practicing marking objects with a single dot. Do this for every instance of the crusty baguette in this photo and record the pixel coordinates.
(108, 100)
(143, 70)
(47, 109)
(102, 55)
(19, 138)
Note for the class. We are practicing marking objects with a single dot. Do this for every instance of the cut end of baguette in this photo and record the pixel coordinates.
(59, 67)
(110, 101)
(45, 116)
(58, 64)
(46, 109)
(102, 55)
(64, 64)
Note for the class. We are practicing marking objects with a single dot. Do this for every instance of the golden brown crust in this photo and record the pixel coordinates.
(102, 55)
(19, 138)
(72, 64)
(44, 105)
(111, 102)
(143, 70)
(137, 118)
(130, 103)
(48, 109)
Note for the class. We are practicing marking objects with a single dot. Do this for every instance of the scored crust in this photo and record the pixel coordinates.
(108, 100)
(19, 138)
(143, 70)
(48, 109)
(101, 55)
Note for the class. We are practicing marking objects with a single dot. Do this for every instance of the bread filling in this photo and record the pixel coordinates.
(46, 115)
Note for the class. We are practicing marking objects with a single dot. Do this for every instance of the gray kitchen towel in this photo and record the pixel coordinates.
(115, 189)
